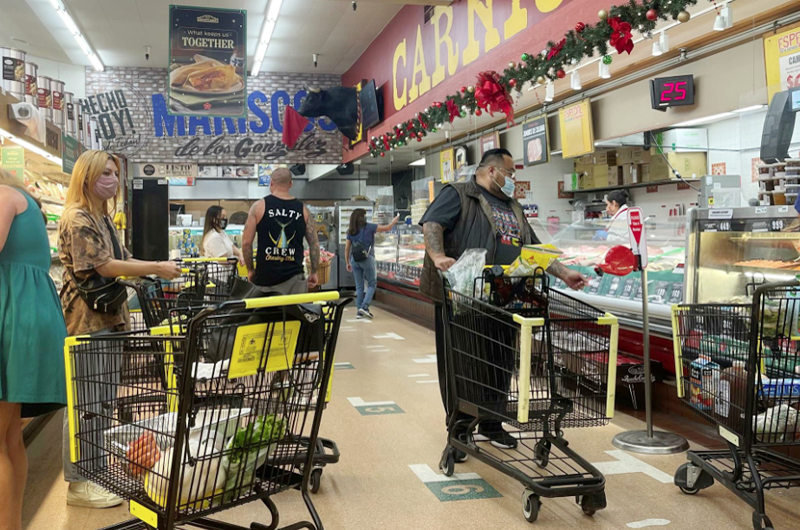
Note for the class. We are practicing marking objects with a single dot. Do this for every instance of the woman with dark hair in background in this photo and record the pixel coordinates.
(216, 242)
(32, 333)
(617, 207)
(359, 254)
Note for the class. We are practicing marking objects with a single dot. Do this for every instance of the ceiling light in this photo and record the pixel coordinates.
(605, 71)
(575, 81)
(719, 23)
(273, 10)
(420, 162)
(549, 91)
(751, 108)
(663, 41)
(707, 119)
(556, 152)
(72, 27)
(29, 146)
(657, 49)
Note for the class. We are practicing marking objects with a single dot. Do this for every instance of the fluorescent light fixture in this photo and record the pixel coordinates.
(273, 10)
(556, 152)
(575, 81)
(719, 23)
(751, 108)
(29, 146)
(707, 119)
(420, 162)
(549, 91)
(657, 49)
(605, 71)
(72, 27)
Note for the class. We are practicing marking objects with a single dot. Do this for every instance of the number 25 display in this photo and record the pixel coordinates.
(672, 92)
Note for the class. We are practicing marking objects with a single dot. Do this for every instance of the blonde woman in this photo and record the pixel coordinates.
(31, 337)
(92, 255)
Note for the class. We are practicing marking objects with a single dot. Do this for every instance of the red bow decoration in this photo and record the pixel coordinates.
(422, 123)
(385, 142)
(452, 110)
(556, 49)
(621, 38)
(491, 96)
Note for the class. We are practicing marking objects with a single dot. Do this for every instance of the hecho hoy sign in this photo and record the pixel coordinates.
(637, 234)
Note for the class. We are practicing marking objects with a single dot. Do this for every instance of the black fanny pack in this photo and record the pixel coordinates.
(102, 295)
(358, 251)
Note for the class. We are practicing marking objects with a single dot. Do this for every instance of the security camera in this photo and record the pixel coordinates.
(355, 5)
(147, 53)
(315, 56)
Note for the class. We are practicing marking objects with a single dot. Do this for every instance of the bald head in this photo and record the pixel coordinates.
(281, 179)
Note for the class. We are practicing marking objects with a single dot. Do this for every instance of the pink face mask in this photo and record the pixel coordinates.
(106, 186)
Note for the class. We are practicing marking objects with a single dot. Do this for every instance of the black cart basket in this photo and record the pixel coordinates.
(538, 361)
(206, 436)
(736, 367)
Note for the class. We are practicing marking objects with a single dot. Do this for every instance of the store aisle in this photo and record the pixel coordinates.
(387, 418)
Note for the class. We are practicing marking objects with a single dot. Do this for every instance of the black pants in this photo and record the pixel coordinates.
(499, 379)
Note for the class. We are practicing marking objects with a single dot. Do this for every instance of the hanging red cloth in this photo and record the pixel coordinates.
(293, 126)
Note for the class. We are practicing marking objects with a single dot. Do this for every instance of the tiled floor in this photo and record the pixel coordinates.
(387, 418)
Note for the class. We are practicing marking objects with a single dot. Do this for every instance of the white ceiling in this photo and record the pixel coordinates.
(120, 29)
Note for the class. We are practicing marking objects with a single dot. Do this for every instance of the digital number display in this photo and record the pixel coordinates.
(672, 91)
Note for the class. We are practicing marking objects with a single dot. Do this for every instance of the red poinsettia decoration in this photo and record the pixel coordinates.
(621, 38)
(491, 96)
(556, 49)
(452, 110)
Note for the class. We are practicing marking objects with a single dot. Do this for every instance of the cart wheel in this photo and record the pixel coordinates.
(530, 505)
(592, 502)
(315, 481)
(691, 479)
(541, 453)
(448, 463)
(761, 522)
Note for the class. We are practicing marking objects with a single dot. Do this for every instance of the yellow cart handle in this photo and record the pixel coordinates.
(290, 299)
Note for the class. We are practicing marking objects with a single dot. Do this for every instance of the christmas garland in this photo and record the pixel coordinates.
(492, 92)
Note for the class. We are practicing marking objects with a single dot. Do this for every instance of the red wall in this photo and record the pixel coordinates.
(377, 61)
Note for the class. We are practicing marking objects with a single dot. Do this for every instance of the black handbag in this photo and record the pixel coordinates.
(358, 251)
(102, 295)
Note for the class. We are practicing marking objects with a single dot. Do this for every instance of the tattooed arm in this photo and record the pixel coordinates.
(434, 245)
(249, 235)
(313, 240)
(573, 279)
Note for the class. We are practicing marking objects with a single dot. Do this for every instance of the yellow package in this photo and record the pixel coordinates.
(540, 255)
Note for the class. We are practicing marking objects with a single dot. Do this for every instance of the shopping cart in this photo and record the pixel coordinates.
(736, 367)
(213, 437)
(220, 273)
(540, 363)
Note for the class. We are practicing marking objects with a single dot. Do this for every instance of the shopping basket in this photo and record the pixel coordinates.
(220, 273)
(541, 363)
(210, 437)
(736, 367)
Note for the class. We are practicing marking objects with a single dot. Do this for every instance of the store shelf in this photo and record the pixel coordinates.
(638, 185)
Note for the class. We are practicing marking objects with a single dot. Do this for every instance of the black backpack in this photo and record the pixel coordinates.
(359, 252)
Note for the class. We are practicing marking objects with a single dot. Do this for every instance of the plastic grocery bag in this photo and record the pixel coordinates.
(776, 425)
(469, 266)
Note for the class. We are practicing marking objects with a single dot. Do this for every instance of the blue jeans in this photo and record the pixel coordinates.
(365, 273)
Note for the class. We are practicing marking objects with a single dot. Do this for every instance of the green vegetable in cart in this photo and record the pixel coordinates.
(263, 429)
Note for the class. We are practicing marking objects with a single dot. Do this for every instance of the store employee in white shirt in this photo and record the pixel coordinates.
(216, 242)
(617, 207)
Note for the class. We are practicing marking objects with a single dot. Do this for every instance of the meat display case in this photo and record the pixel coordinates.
(732, 251)
(583, 250)
(399, 255)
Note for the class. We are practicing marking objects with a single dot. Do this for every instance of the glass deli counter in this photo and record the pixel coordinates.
(585, 244)
(399, 255)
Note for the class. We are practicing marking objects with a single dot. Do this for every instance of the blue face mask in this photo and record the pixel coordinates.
(508, 187)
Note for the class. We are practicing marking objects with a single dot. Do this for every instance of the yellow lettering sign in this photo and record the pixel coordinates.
(446, 39)
(419, 68)
(400, 99)
(517, 21)
(492, 38)
(545, 6)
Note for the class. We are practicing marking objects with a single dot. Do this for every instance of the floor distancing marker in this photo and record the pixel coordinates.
(343, 366)
(430, 359)
(390, 335)
(428, 382)
(364, 320)
(374, 346)
(648, 523)
(375, 408)
(419, 375)
(626, 464)
(459, 487)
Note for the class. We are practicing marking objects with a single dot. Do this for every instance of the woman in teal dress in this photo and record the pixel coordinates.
(32, 333)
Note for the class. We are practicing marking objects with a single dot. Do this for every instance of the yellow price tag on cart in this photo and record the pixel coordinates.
(249, 346)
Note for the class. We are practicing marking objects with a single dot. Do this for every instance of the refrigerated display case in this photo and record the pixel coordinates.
(399, 255)
(584, 248)
(732, 251)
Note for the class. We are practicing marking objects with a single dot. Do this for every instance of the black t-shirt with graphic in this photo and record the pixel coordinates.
(280, 241)
(446, 211)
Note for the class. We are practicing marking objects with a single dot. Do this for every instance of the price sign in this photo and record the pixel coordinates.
(676, 293)
(715, 226)
(615, 283)
(759, 226)
(776, 225)
(594, 285)
(637, 235)
(628, 288)
(661, 291)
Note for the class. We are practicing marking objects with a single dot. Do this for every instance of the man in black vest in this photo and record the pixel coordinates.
(281, 222)
(480, 213)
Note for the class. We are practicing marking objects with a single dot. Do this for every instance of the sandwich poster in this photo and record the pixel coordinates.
(534, 141)
(207, 61)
